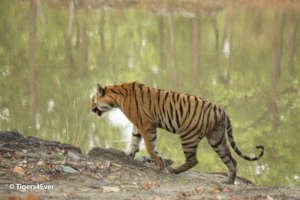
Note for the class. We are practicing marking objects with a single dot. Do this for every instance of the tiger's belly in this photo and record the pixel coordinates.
(171, 126)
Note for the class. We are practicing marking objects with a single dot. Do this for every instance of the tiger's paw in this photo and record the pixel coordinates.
(131, 155)
(171, 170)
(228, 182)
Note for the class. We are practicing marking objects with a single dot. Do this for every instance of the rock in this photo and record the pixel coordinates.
(41, 163)
(13, 140)
(7, 155)
(66, 169)
(19, 170)
(144, 159)
(73, 156)
(39, 178)
(10, 136)
(107, 153)
(110, 189)
(147, 159)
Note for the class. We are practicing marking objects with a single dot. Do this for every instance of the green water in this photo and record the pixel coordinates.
(245, 59)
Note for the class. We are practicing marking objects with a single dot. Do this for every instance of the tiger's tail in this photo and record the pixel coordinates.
(234, 146)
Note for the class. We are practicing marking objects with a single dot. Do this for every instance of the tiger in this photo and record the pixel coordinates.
(189, 116)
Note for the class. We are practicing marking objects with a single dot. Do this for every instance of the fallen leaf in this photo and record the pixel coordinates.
(111, 177)
(154, 198)
(85, 190)
(110, 189)
(81, 169)
(139, 174)
(30, 166)
(199, 190)
(219, 197)
(116, 165)
(269, 198)
(99, 165)
(146, 185)
(25, 179)
(19, 170)
(31, 196)
(59, 150)
(213, 190)
(13, 198)
(107, 164)
(186, 194)
(41, 163)
(18, 155)
(40, 178)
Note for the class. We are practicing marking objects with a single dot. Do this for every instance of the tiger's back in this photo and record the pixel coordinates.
(173, 111)
(189, 116)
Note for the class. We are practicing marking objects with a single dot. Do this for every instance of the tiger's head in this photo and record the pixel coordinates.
(100, 102)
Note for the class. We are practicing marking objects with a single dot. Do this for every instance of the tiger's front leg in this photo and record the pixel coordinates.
(134, 147)
(149, 136)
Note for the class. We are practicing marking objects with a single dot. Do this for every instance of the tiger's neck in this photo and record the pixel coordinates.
(121, 94)
(129, 98)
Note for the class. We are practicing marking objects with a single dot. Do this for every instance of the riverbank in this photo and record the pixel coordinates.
(32, 168)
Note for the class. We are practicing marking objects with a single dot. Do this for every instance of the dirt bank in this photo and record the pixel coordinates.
(32, 168)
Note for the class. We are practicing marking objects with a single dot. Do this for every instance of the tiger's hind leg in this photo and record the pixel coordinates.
(189, 149)
(134, 147)
(217, 140)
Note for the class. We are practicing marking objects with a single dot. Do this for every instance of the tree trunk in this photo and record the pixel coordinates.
(277, 46)
(162, 56)
(173, 53)
(217, 46)
(226, 44)
(31, 60)
(41, 11)
(229, 63)
(69, 55)
(214, 22)
(101, 35)
(113, 37)
(85, 55)
(292, 43)
(195, 49)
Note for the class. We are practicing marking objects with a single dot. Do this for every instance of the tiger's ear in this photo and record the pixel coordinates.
(100, 90)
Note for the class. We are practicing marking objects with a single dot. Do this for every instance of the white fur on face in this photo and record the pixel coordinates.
(104, 107)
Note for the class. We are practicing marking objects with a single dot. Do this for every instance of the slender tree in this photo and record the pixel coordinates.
(69, 56)
(31, 60)
(277, 50)
(292, 42)
(195, 49)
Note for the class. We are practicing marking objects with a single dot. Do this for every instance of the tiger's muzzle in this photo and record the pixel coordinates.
(96, 110)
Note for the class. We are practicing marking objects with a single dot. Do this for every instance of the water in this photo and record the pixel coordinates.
(244, 58)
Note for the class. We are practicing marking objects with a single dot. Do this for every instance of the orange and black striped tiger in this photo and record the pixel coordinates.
(189, 116)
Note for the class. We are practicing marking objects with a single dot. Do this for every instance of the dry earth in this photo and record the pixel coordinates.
(32, 168)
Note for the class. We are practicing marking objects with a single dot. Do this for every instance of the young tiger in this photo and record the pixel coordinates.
(189, 116)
